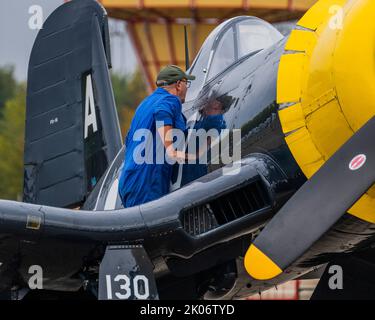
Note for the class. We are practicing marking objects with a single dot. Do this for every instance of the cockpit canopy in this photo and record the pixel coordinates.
(231, 41)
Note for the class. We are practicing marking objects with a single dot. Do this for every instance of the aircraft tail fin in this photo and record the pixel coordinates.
(72, 131)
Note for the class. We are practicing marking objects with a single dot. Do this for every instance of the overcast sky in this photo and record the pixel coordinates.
(16, 38)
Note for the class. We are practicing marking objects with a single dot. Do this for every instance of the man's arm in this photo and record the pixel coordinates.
(165, 133)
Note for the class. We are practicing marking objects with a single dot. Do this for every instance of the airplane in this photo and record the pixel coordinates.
(301, 202)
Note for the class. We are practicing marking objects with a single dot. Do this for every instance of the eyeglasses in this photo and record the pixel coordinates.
(188, 83)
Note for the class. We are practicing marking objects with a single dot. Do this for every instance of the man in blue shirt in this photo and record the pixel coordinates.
(144, 181)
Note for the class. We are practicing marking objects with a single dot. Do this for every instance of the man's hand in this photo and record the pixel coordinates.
(181, 157)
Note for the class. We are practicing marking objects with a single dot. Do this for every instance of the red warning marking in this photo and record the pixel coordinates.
(357, 162)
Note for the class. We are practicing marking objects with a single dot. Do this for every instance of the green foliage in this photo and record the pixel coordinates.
(12, 126)
(8, 85)
(120, 88)
(129, 91)
(136, 89)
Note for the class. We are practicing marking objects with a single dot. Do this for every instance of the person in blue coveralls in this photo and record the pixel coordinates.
(144, 181)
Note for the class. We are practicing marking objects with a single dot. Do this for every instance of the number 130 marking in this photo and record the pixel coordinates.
(126, 287)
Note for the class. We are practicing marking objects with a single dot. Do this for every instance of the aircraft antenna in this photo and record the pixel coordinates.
(187, 60)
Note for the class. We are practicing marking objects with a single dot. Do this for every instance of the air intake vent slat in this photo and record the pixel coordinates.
(233, 212)
(255, 197)
(239, 204)
(264, 200)
(247, 198)
(226, 208)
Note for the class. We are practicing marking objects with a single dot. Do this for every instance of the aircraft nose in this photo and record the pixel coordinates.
(326, 84)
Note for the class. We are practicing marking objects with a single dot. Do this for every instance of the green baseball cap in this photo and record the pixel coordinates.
(171, 74)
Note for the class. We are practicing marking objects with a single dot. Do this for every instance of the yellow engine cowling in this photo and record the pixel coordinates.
(326, 85)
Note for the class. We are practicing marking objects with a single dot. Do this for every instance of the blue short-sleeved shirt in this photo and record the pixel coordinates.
(144, 181)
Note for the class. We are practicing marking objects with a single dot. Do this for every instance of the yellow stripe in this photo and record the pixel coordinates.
(301, 40)
(292, 118)
(259, 266)
(290, 77)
